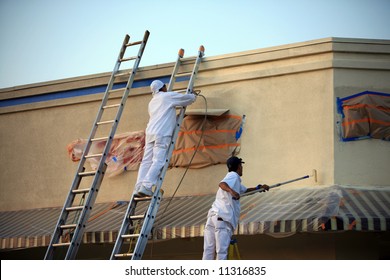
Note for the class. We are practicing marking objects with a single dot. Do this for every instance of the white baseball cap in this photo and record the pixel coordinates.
(156, 85)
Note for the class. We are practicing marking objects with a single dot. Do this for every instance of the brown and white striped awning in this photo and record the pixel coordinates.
(281, 211)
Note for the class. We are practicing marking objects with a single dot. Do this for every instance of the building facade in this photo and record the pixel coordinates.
(288, 95)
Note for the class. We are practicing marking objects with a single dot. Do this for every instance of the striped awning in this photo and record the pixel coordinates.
(279, 212)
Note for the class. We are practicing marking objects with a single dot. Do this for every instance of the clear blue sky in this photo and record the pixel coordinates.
(43, 40)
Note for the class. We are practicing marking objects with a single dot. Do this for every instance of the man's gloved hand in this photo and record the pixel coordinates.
(264, 187)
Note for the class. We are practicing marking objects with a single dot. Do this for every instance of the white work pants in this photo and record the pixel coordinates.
(217, 236)
(152, 162)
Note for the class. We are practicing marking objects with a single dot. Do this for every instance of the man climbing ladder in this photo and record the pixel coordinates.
(134, 220)
(162, 112)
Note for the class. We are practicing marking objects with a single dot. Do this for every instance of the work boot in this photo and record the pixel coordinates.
(143, 192)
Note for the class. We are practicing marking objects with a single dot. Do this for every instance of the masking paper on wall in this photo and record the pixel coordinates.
(125, 153)
(218, 136)
(365, 115)
(219, 139)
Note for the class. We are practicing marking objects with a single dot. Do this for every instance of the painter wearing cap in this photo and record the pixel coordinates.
(156, 86)
(159, 130)
(233, 163)
(222, 218)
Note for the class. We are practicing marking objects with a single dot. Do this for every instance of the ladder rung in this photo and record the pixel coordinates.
(122, 74)
(112, 106)
(143, 198)
(93, 155)
(116, 90)
(129, 58)
(133, 43)
(74, 208)
(183, 74)
(181, 90)
(105, 122)
(87, 173)
(124, 255)
(68, 226)
(137, 217)
(99, 139)
(188, 58)
(61, 244)
(80, 191)
(130, 235)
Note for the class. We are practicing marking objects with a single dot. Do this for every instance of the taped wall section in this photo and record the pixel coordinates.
(125, 153)
(219, 140)
(365, 115)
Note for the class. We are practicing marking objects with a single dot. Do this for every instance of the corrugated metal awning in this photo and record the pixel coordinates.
(281, 211)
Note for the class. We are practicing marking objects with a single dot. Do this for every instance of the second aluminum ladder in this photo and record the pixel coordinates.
(71, 224)
(136, 227)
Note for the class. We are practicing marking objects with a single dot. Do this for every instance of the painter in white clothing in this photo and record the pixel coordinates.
(225, 205)
(162, 121)
(222, 218)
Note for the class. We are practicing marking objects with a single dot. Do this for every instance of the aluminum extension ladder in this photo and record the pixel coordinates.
(72, 222)
(133, 221)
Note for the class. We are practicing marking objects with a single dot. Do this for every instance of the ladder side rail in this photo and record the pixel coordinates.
(127, 90)
(125, 222)
(179, 120)
(106, 96)
(100, 174)
(119, 113)
(195, 71)
(172, 80)
(150, 216)
(120, 110)
(76, 181)
(100, 111)
(114, 72)
(98, 177)
(146, 227)
(153, 208)
(84, 216)
(55, 238)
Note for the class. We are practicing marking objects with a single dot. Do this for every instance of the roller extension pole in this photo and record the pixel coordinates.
(283, 183)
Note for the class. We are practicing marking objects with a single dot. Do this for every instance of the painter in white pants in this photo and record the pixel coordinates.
(152, 162)
(222, 218)
(217, 236)
(162, 122)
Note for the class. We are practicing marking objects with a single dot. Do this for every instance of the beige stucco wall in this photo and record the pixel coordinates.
(358, 67)
(287, 94)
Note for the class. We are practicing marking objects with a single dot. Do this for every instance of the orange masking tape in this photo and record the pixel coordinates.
(365, 106)
(365, 120)
(206, 148)
(232, 131)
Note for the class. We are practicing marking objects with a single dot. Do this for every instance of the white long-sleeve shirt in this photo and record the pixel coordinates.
(224, 205)
(162, 113)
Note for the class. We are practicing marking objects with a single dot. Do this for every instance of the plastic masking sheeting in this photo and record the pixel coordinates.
(218, 141)
(125, 153)
(213, 138)
(365, 115)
